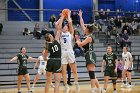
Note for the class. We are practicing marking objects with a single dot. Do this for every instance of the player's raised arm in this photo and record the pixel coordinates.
(59, 22)
(59, 27)
(81, 20)
(70, 23)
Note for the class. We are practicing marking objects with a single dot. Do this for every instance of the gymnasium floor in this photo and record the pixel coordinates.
(84, 88)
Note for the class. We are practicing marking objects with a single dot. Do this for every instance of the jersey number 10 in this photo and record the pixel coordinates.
(55, 48)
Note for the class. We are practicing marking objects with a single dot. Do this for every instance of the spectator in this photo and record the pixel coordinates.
(111, 23)
(97, 17)
(96, 27)
(1, 27)
(77, 50)
(37, 31)
(114, 31)
(103, 15)
(126, 27)
(74, 17)
(138, 28)
(45, 29)
(118, 23)
(52, 21)
(26, 31)
(115, 35)
(125, 39)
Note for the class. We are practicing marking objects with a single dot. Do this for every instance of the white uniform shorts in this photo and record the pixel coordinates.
(67, 57)
(126, 67)
(41, 70)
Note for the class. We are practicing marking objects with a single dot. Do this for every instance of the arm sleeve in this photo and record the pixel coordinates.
(115, 56)
(18, 55)
(27, 56)
(104, 57)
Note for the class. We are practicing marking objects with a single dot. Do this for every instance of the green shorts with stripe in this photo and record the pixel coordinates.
(54, 65)
(111, 73)
(90, 57)
(22, 71)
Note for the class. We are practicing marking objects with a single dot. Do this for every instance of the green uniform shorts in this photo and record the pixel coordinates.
(90, 57)
(22, 71)
(54, 65)
(110, 73)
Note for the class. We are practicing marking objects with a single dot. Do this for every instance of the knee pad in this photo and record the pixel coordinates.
(91, 74)
(114, 81)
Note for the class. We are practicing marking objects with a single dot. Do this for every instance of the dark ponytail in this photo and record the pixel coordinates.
(90, 28)
(21, 50)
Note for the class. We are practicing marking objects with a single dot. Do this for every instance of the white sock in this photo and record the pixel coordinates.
(19, 90)
(33, 85)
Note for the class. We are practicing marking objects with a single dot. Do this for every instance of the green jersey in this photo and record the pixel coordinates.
(22, 60)
(88, 46)
(110, 60)
(55, 49)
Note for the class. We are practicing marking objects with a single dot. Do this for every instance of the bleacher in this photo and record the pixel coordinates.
(12, 40)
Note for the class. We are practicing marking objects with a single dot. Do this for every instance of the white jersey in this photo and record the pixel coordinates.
(42, 62)
(127, 57)
(66, 41)
(67, 55)
(42, 65)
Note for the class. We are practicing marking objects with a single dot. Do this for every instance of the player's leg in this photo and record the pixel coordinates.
(57, 77)
(114, 79)
(129, 78)
(64, 71)
(36, 78)
(43, 71)
(93, 79)
(106, 81)
(74, 70)
(27, 78)
(64, 66)
(20, 77)
(71, 60)
(90, 63)
(114, 84)
(91, 68)
(57, 74)
(48, 81)
(124, 77)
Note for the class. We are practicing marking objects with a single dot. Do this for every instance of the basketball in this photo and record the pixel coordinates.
(65, 13)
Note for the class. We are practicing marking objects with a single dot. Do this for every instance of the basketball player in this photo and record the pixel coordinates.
(54, 61)
(68, 56)
(42, 61)
(111, 61)
(87, 45)
(128, 67)
(22, 68)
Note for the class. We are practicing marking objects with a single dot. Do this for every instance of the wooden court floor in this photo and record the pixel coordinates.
(84, 88)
